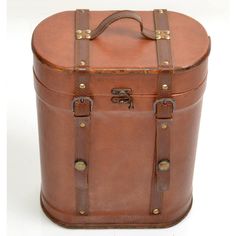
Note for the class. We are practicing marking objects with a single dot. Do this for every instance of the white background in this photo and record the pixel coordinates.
(214, 208)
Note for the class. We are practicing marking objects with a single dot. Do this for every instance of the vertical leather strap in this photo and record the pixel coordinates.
(81, 54)
(163, 110)
(82, 106)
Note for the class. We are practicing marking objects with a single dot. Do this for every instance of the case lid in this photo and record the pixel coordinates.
(120, 47)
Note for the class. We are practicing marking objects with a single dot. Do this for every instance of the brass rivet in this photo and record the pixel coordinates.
(78, 31)
(163, 125)
(164, 86)
(79, 36)
(80, 165)
(88, 31)
(161, 11)
(162, 34)
(82, 86)
(164, 165)
(166, 63)
(82, 212)
(167, 37)
(88, 36)
(82, 63)
(156, 211)
(82, 125)
(82, 10)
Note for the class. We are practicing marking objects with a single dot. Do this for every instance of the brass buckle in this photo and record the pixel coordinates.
(81, 99)
(164, 101)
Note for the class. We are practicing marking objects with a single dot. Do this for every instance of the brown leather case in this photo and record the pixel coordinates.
(118, 115)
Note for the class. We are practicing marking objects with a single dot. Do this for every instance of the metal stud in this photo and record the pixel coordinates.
(164, 165)
(80, 165)
(83, 34)
(162, 34)
(164, 86)
(82, 63)
(82, 212)
(82, 86)
(158, 37)
(88, 36)
(161, 11)
(167, 37)
(82, 125)
(163, 125)
(156, 211)
(79, 36)
(166, 63)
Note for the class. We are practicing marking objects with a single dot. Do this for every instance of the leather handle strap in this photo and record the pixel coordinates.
(118, 16)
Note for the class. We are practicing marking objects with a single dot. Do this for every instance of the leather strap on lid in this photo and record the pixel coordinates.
(163, 111)
(82, 107)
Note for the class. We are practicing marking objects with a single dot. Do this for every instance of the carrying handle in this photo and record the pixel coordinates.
(118, 16)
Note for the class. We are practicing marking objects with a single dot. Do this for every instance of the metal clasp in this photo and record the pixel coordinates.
(122, 96)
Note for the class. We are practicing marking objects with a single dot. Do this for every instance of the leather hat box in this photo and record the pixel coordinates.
(119, 98)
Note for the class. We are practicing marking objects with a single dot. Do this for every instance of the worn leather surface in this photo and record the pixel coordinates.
(122, 141)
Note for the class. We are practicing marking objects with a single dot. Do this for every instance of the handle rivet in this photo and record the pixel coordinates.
(164, 86)
(88, 36)
(82, 125)
(82, 86)
(161, 11)
(167, 37)
(82, 212)
(156, 211)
